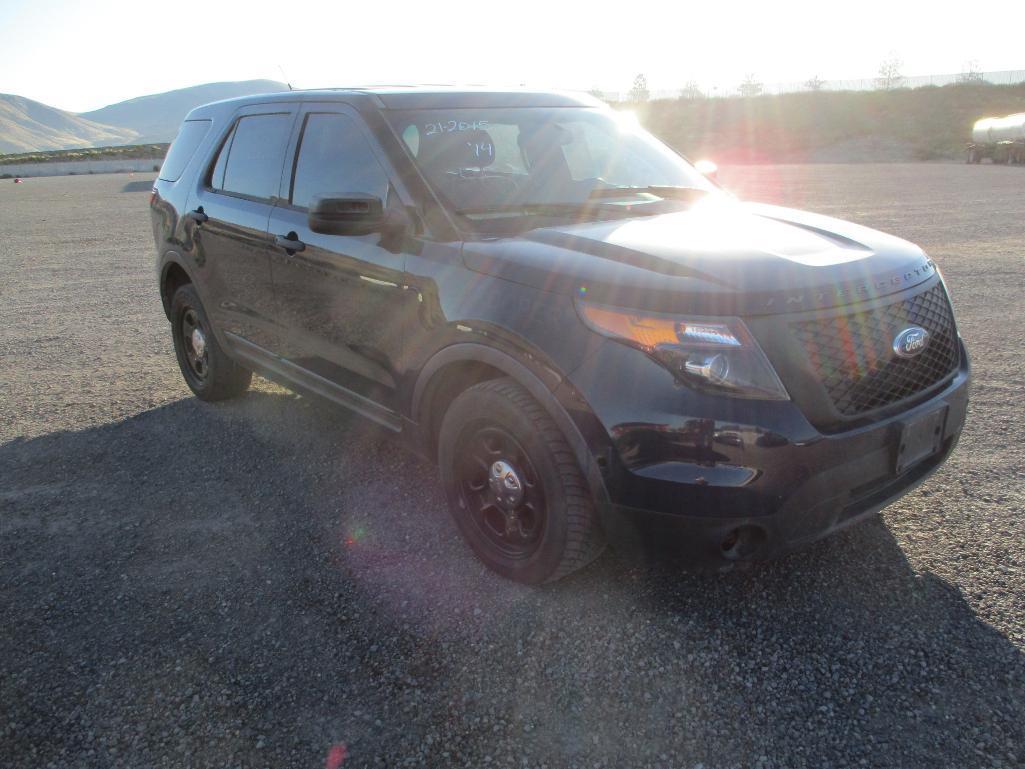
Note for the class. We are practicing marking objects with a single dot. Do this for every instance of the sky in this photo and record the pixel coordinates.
(79, 55)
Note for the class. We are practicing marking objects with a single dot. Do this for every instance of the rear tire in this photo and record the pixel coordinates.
(207, 369)
(514, 486)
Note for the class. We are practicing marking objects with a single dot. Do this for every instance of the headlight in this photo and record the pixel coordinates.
(718, 354)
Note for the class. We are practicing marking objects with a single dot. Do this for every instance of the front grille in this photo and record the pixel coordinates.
(854, 359)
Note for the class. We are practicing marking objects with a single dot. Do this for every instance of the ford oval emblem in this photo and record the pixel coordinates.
(910, 342)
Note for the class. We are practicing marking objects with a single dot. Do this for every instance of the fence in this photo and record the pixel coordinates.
(69, 167)
(1003, 77)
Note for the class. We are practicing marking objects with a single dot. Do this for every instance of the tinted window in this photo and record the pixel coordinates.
(254, 156)
(335, 158)
(183, 148)
(217, 175)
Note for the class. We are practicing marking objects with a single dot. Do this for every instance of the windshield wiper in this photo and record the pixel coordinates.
(547, 209)
(592, 202)
(662, 191)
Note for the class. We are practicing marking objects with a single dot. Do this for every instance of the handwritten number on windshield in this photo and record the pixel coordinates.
(449, 126)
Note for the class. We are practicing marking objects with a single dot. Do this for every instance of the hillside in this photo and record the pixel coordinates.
(29, 126)
(127, 152)
(155, 118)
(930, 123)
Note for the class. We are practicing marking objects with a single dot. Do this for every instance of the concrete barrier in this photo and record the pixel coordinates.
(69, 167)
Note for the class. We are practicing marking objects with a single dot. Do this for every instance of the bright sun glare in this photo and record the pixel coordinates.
(119, 50)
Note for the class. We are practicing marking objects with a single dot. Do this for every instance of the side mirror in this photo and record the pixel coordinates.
(354, 214)
(708, 169)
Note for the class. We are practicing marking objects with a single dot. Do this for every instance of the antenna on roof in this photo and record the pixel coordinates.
(281, 69)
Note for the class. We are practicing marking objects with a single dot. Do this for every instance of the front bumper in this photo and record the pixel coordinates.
(753, 485)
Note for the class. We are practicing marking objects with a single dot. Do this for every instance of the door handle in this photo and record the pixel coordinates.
(289, 242)
(198, 216)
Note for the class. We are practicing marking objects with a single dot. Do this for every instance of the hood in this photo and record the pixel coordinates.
(719, 257)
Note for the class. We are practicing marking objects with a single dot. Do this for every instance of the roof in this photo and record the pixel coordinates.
(414, 97)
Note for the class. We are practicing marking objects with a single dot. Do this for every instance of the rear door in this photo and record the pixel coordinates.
(230, 211)
(342, 298)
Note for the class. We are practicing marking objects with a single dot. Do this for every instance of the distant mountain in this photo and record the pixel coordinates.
(28, 126)
(156, 118)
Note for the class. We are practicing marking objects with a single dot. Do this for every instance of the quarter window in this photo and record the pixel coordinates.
(183, 148)
(335, 159)
(251, 158)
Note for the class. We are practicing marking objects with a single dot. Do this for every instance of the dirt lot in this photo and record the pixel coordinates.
(271, 583)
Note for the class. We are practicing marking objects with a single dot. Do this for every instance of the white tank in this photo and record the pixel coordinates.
(980, 131)
(999, 129)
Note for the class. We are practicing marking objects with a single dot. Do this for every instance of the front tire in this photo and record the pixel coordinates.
(514, 486)
(207, 369)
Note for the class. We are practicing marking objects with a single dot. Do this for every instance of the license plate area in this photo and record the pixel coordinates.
(920, 438)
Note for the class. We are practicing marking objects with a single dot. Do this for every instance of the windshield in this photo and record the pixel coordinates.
(490, 164)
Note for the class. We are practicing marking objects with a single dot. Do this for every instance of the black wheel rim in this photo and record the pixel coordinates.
(194, 344)
(509, 512)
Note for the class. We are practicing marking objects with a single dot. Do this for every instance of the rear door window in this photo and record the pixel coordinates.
(334, 159)
(252, 156)
(183, 148)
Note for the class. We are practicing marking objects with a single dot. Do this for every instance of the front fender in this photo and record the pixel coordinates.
(542, 386)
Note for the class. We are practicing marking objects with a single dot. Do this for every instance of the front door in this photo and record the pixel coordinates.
(341, 299)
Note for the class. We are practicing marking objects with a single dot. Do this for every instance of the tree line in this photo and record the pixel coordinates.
(889, 77)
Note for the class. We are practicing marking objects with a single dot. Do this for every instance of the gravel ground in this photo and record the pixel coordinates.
(271, 583)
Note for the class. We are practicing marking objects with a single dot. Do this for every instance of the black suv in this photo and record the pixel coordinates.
(593, 341)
